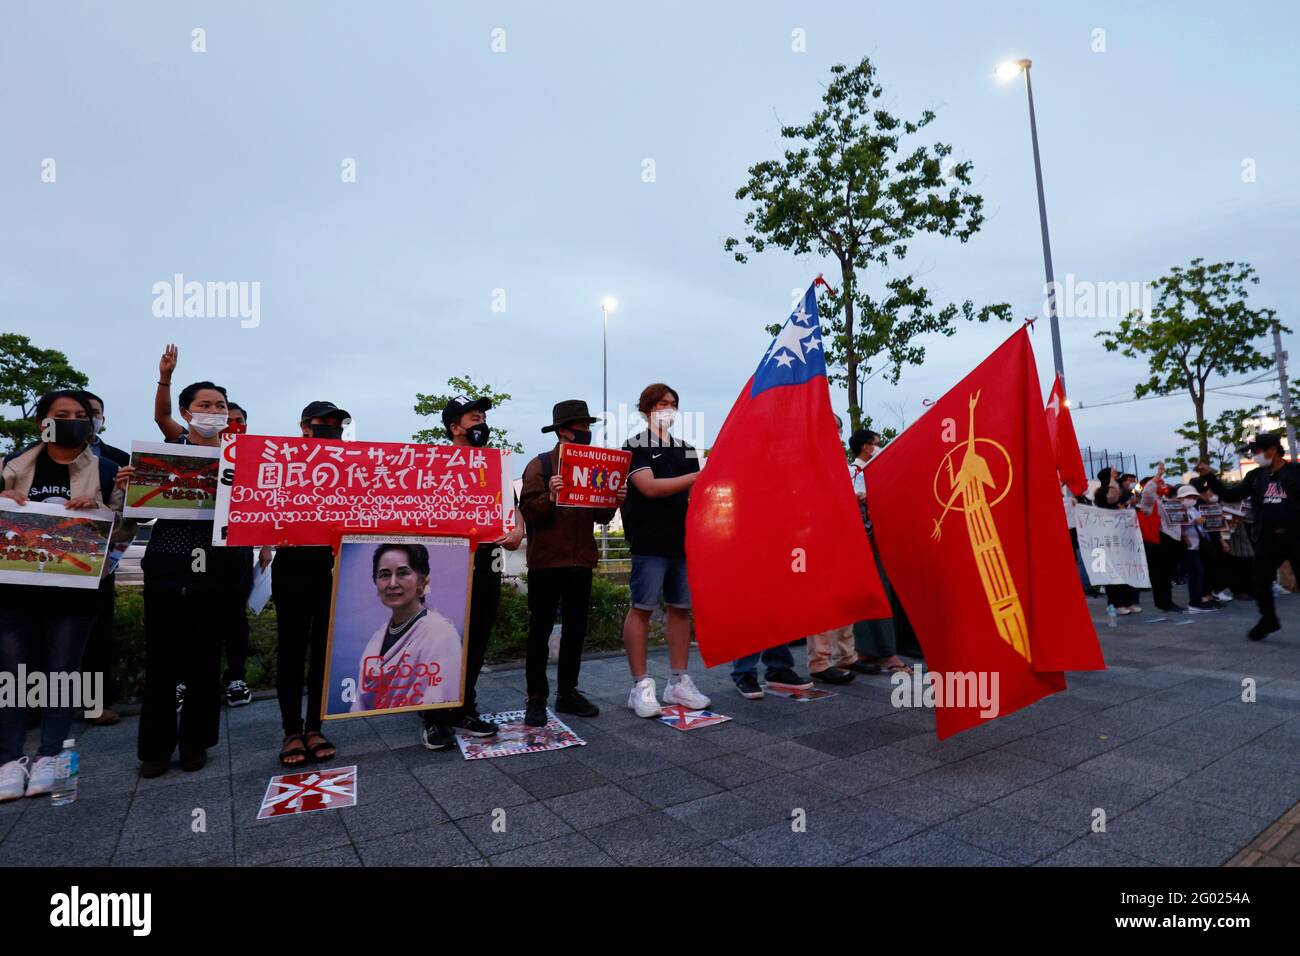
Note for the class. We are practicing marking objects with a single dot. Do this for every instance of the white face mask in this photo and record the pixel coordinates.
(663, 418)
(99, 423)
(207, 424)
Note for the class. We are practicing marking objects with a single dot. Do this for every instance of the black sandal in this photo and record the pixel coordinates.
(314, 750)
(291, 755)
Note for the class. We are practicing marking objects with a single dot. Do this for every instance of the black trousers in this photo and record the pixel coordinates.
(1216, 563)
(302, 615)
(237, 643)
(183, 634)
(1161, 559)
(1270, 551)
(100, 654)
(569, 591)
(484, 602)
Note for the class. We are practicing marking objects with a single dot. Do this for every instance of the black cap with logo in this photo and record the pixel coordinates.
(461, 405)
(324, 410)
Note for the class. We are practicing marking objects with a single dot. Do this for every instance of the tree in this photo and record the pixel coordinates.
(1200, 326)
(847, 188)
(434, 404)
(27, 373)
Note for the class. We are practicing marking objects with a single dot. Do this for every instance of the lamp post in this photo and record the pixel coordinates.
(607, 305)
(1008, 71)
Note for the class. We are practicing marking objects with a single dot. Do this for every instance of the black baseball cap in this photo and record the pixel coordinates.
(461, 405)
(324, 410)
(1271, 440)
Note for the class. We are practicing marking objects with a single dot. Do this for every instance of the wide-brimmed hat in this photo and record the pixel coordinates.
(1187, 491)
(568, 411)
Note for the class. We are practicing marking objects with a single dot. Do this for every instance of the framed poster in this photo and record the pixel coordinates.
(178, 482)
(51, 546)
(397, 625)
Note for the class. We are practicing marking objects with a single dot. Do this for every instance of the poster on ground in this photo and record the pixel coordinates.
(591, 476)
(397, 625)
(1110, 544)
(309, 790)
(307, 491)
(682, 718)
(51, 546)
(178, 482)
(514, 737)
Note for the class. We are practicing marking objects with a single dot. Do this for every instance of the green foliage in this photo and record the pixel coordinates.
(27, 373)
(1201, 326)
(850, 188)
(434, 404)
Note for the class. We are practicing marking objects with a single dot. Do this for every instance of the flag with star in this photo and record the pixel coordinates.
(775, 547)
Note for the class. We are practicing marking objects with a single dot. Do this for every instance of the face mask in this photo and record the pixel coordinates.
(477, 435)
(581, 438)
(1265, 461)
(98, 421)
(664, 418)
(326, 431)
(71, 432)
(207, 424)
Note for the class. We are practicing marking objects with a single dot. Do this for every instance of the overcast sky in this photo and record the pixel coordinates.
(522, 171)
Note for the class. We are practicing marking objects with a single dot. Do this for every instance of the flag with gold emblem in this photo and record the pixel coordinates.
(966, 508)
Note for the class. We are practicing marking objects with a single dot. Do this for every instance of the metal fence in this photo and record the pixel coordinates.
(1095, 459)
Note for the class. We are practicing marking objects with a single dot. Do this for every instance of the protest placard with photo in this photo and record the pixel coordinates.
(306, 491)
(178, 482)
(591, 476)
(397, 625)
(1213, 514)
(1173, 513)
(52, 546)
(1110, 543)
(514, 737)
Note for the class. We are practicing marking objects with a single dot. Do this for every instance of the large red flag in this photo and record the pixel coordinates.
(774, 540)
(1060, 430)
(966, 509)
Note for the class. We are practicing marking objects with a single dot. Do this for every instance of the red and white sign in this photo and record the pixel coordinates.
(679, 718)
(592, 476)
(308, 491)
(310, 790)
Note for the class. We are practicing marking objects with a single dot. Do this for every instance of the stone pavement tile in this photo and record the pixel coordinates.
(1070, 813)
(106, 783)
(1166, 846)
(82, 833)
(933, 848)
(1247, 797)
(651, 839)
(1200, 738)
(896, 761)
(1245, 764)
(733, 737)
(1115, 796)
(1107, 692)
(787, 791)
(947, 751)
(725, 815)
(861, 827)
(1146, 764)
(1013, 837)
(596, 806)
(1219, 824)
(787, 755)
(1064, 746)
(520, 826)
(329, 859)
(987, 776)
(854, 738)
(283, 838)
(516, 765)
(1206, 691)
(713, 855)
(916, 801)
(215, 849)
(217, 768)
(620, 762)
(665, 788)
(1133, 719)
(1092, 850)
(777, 845)
(443, 845)
(849, 776)
(733, 770)
(554, 781)
(168, 816)
(390, 803)
(915, 720)
(572, 849)
(471, 793)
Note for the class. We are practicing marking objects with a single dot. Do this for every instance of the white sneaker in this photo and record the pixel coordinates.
(1123, 610)
(1193, 609)
(1225, 595)
(1279, 591)
(1135, 608)
(682, 690)
(41, 780)
(641, 699)
(13, 779)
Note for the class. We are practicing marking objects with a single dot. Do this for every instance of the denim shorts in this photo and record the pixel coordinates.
(653, 576)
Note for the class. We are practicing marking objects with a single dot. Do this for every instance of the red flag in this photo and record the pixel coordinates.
(1060, 429)
(967, 515)
(774, 539)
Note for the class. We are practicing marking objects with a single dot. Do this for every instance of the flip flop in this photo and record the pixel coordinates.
(314, 750)
(289, 751)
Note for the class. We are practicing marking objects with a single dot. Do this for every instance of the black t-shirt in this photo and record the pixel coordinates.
(1277, 508)
(51, 481)
(657, 526)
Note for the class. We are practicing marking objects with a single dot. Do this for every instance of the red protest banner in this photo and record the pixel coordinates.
(306, 491)
(592, 476)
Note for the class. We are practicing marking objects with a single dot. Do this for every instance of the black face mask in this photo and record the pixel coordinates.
(477, 435)
(581, 438)
(326, 431)
(71, 432)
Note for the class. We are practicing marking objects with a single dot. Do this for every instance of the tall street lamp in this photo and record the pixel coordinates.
(607, 305)
(1009, 71)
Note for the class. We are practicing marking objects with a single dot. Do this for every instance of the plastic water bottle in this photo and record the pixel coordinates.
(65, 774)
(1111, 616)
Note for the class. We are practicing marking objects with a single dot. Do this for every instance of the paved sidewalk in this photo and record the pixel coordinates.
(1185, 772)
